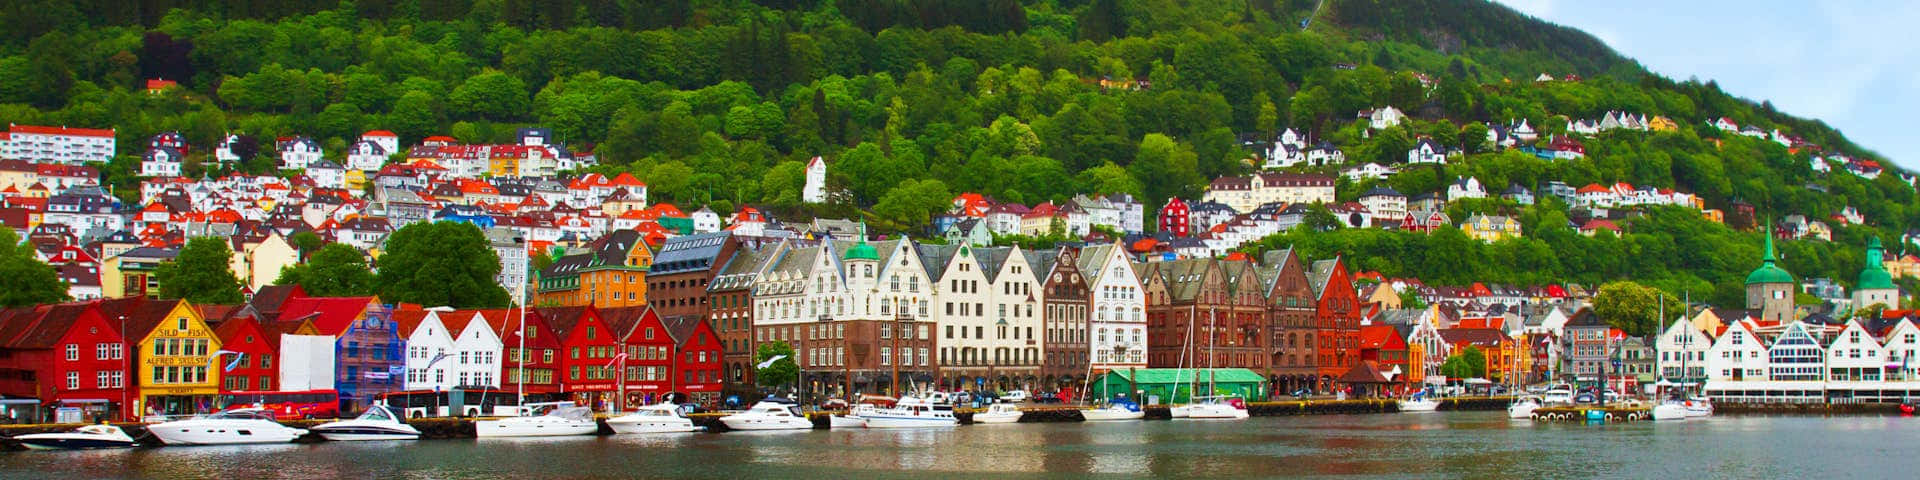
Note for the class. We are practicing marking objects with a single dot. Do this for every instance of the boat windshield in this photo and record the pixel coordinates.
(377, 413)
(243, 414)
(572, 413)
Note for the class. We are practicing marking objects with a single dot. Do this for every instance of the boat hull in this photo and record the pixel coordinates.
(204, 435)
(1111, 415)
(1667, 412)
(911, 422)
(788, 423)
(846, 421)
(496, 429)
(1521, 411)
(1216, 412)
(1419, 406)
(59, 441)
(358, 433)
(1180, 411)
(997, 417)
(652, 426)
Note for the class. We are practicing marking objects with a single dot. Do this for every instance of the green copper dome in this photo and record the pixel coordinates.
(1874, 276)
(1768, 271)
(863, 251)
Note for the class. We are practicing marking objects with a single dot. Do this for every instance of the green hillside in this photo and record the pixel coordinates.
(720, 101)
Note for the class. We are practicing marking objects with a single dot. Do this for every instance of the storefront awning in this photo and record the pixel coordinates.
(19, 401)
(83, 401)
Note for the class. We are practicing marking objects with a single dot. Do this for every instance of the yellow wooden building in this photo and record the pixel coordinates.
(178, 366)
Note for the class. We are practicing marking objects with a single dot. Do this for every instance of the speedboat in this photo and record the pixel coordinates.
(999, 413)
(561, 419)
(1523, 408)
(377, 423)
(656, 418)
(855, 418)
(1232, 408)
(914, 412)
(1558, 396)
(769, 414)
(84, 438)
(1121, 410)
(1670, 410)
(1698, 407)
(231, 427)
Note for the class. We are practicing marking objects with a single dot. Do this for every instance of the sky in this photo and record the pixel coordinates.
(1854, 64)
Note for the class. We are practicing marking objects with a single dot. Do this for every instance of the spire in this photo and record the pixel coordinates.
(1769, 258)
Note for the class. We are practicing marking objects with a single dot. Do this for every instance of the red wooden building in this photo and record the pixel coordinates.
(1337, 312)
(587, 348)
(67, 355)
(696, 359)
(256, 369)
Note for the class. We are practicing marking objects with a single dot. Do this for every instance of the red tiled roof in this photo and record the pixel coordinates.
(78, 132)
(331, 315)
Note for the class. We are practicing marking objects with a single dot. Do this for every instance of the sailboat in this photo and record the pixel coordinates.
(1176, 409)
(1114, 410)
(1215, 406)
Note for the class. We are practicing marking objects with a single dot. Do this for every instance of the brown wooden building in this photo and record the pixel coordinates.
(1067, 313)
(1291, 363)
(1212, 314)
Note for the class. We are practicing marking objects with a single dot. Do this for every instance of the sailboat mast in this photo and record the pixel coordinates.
(1211, 313)
(526, 271)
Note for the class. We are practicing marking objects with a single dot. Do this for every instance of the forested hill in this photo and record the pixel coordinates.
(721, 101)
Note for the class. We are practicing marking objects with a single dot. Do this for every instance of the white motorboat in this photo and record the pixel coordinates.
(377, 423)
(1420, 402)
(914, 412)
(1670, 410)
(1114, 412)
(1180, 411)
(1699, 407)
(561, 419)
(855, 418)
(1217, 407)
(769, 414)
(231, 427)
(656, 418)
(1558, 396)
(1523, 408)
(83, 438)
(999, 413)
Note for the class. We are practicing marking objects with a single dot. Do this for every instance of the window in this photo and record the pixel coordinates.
(73, 380)
(73, 354)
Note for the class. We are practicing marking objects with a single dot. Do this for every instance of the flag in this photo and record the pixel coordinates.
(436, 359)
(237, 360)
(214, 358)
(617, 359)
(769, 362)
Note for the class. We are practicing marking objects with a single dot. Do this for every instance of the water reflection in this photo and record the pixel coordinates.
(1453, 444)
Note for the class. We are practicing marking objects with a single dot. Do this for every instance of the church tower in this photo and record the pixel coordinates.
(1770, 289)
(1875, 285)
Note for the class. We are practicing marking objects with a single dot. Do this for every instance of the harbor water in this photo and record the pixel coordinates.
(1424, 445)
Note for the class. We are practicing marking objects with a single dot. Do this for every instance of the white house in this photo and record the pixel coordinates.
(366, 155)
(298, 152)
(1119, 304)
(326, 174)
(1385, 203)
(816, 187)
(385, 139)
(705, 220)
(1325, 153)
(1368, 171)
(1855, 360)
(1682, 352)
(161, 162)
(452, 348)
(1427, 151)
(224, 152)
(1469, 187)
(987, 314)
(1383, 117)
(71, 146)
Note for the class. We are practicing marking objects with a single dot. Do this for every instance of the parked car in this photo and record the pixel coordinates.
(1014, 396)
(1584, 398)
(1558, 395)
(1046, 398)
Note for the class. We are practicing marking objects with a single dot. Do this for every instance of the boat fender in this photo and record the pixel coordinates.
(1609, 417)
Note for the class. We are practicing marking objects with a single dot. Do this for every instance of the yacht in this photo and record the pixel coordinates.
(1558, 396)
(84, 438)
(656, 418)
(561, 419)
(1217, 407)
(914, 412)
(769, 414)
(377, 423)
(1121, 410)
(231, 427)
(999, 413)
(1699, 407)
(1524, 407)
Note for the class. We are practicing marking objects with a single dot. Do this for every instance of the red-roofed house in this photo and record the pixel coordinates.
(67, 355)
(588, 348)
(65, 145)
(1383, 345)
(256, 368)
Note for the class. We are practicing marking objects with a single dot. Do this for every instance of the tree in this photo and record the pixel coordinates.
(336, 270)
(306, 243)
(491, 95)
(1321, 219)
(779, 372)
(201, 273)
(1410, 300)
(1469, 363)
(1630, 306)
(24, 279)
(440, 263)
(913, 202)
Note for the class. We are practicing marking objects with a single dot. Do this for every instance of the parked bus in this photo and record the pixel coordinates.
(456, 402)
(287, 405)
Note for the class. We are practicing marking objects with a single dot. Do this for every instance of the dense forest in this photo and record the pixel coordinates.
(721, 101)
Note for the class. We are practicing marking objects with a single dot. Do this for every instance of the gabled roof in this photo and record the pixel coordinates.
(331, 315)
